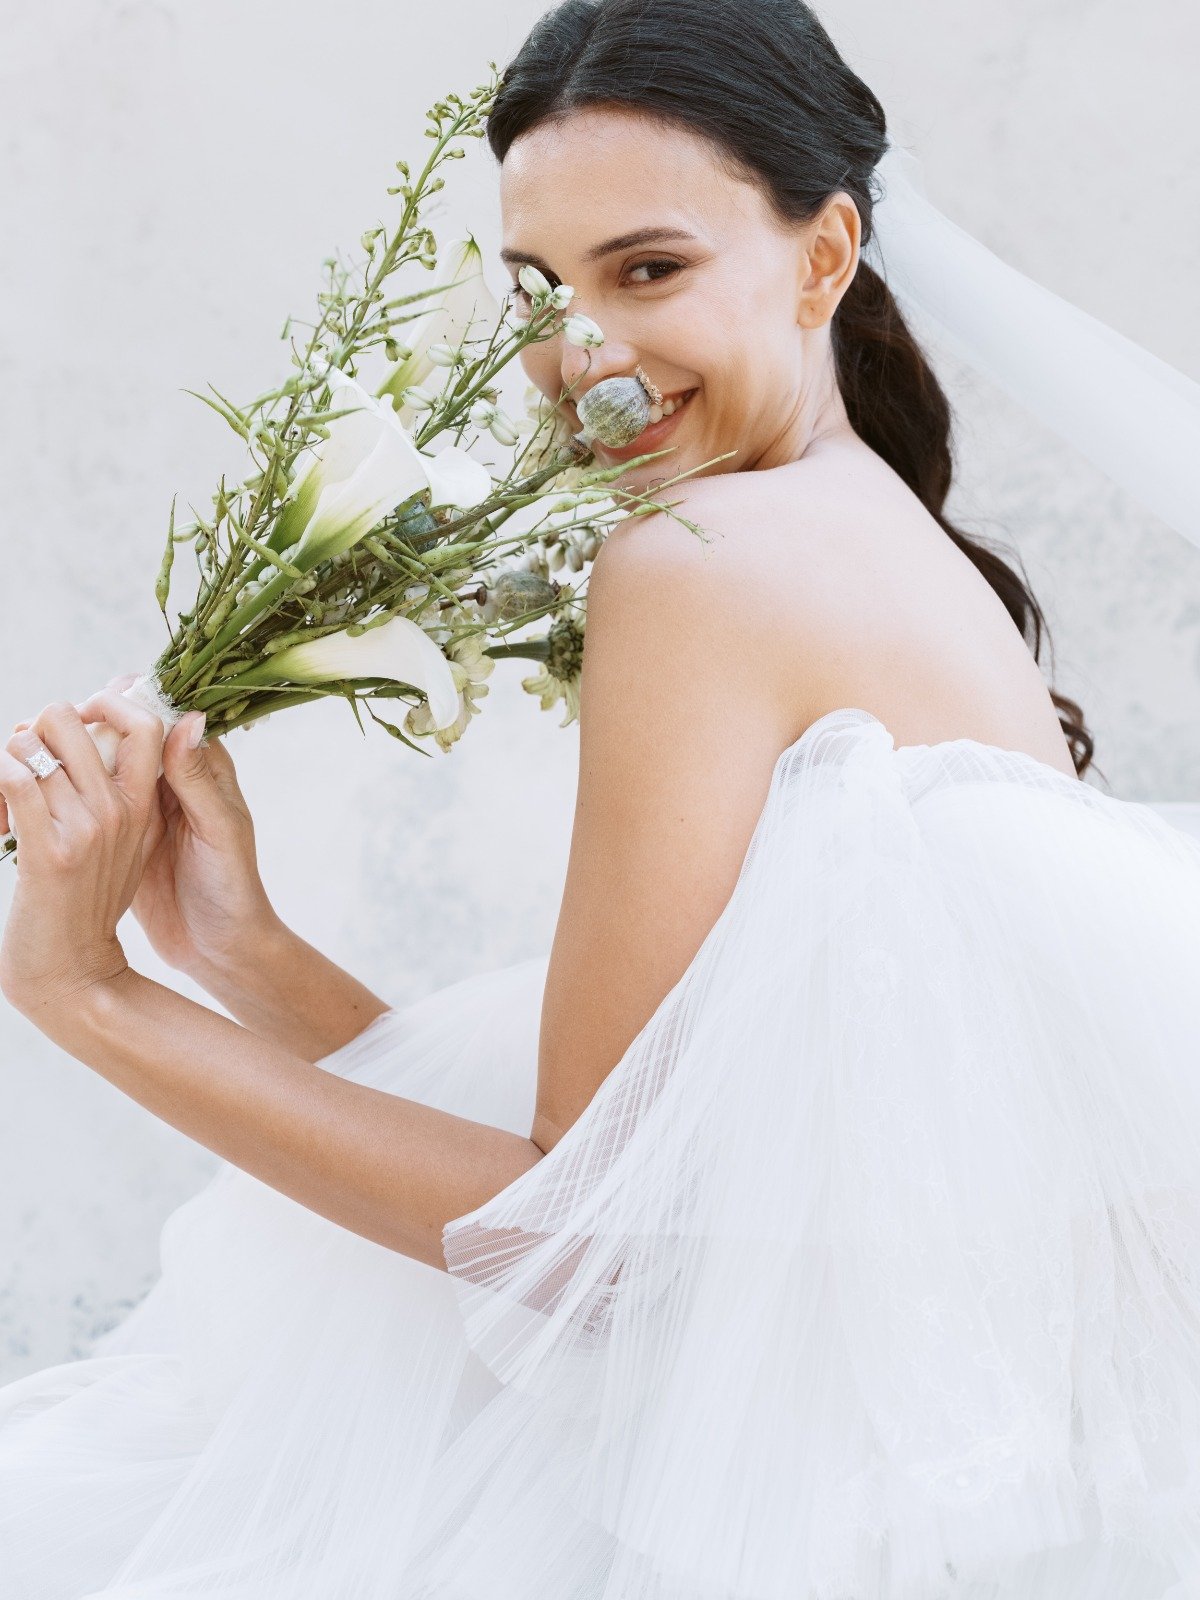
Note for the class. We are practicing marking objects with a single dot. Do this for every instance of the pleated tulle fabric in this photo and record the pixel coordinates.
(872, 1271)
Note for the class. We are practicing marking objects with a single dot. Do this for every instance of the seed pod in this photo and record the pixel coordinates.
(515, 592)
(615, 411)
(219, 617)
(419, 526)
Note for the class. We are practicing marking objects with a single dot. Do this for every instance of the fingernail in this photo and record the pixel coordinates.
(196, 731)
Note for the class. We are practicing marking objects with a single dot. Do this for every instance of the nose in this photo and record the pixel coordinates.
(582, 368)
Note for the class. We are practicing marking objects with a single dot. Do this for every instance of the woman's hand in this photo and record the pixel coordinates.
(83, 836)
(201, 900)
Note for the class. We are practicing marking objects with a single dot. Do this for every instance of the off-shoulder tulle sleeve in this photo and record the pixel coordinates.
(877, 1256)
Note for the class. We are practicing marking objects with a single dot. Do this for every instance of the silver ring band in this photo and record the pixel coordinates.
(41, 763)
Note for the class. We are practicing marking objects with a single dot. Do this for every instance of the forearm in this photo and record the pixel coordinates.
(285, 991)
(390, 1169)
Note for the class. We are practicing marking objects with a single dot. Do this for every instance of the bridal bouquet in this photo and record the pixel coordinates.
(368, 553)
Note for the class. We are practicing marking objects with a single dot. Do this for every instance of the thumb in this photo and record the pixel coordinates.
(186, 768)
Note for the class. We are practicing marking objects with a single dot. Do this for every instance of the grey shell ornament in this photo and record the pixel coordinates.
(615, 411)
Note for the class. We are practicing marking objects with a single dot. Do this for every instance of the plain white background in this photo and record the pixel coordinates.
(172, 175)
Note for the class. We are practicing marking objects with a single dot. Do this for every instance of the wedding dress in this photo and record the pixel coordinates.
(871, 1272)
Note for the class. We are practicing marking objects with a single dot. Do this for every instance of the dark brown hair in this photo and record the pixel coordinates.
(764, 84)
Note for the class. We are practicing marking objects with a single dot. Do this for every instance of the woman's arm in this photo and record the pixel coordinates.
(391, 1169)
(388, 1168)
(687, 699)
(282, 989)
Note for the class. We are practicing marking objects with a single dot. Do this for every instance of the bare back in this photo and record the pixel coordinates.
(883, 610)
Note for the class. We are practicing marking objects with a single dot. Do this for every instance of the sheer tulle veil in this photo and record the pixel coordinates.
(1132, 415)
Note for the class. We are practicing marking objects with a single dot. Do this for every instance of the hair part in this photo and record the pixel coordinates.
(778, 105)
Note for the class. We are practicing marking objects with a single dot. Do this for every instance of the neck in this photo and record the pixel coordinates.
(818, 412)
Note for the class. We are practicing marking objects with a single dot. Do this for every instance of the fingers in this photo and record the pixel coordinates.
(28, 724)
(139, 752)
(220, 764)
(199, 775)
(59, 727)
(58, 794)
(25, 804)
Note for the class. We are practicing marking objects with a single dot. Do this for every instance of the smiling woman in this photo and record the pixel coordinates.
(821, 1216)
(762, 326)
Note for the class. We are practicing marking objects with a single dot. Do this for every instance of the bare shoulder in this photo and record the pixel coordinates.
(848, 593)
(754, 578)
(712, 583)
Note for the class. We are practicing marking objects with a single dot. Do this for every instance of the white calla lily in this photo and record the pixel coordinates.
(397, 650)
(367, 466)
(464, 301)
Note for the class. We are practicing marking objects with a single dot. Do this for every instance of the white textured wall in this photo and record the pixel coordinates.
(172, 176)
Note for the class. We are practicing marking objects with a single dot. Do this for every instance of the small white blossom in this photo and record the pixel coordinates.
(560, 676)
(442, 355)
(561, 297)
(535, 561)
(582, 331)
(483, 413)
(532, 281)
(469, 667)
(502, 429)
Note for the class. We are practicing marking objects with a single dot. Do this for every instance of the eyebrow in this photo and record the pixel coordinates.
(623, 241)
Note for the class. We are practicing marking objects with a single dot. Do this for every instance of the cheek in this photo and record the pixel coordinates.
(542, 368)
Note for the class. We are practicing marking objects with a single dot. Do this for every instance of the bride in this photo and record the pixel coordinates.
(820, 1218)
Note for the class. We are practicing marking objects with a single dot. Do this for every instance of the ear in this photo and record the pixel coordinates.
(830, 261)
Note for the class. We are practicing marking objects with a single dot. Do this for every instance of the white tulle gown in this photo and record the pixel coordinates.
(872, 1272)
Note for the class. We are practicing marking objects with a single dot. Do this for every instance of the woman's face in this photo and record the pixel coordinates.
(690, 274)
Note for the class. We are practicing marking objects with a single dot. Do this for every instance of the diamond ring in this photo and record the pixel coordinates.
(41, 763)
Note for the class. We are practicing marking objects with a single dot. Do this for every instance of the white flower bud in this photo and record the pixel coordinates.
(561, 297)
(442, 355)
(502, 429)
(555, 557)
(419, 399)
(533, 282)
(574, 557)
(582, 331)
(482, 413)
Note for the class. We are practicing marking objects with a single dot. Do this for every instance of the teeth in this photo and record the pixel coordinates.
(668, 408)
(658, 412)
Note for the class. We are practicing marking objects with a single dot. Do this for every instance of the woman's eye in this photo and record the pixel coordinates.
(651, 266)
(656, 270)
